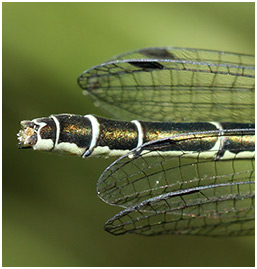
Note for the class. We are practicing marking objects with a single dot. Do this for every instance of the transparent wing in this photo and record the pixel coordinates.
(197, 211)
(180, 194)
(175, 84)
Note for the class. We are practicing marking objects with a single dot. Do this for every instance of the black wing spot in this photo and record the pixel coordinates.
(158, 53)
(147, 65)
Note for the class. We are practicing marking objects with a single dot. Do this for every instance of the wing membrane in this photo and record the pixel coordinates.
(197, 211)
(175, 84)
(185, 193)
(182, 194)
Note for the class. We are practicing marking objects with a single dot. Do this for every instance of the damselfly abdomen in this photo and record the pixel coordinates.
(186, 160)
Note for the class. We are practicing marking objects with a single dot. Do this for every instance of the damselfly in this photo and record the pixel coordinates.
(186, 160)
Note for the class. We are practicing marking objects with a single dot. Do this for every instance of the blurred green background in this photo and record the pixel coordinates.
(51, 213)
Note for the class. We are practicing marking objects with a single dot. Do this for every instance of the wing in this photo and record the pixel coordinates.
(175, 84)
(180, 194)
(195, 212)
